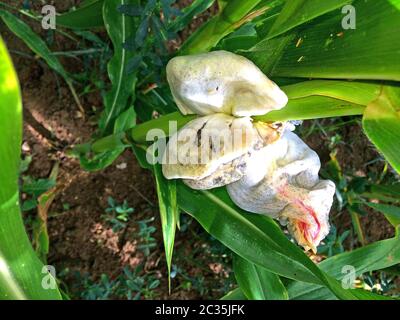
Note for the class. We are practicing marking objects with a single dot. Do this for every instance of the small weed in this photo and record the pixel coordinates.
(145, 234)
(91, 290)
(117, 214)
(129, 284)
(134, 285)
(33, 188)
(333, 243)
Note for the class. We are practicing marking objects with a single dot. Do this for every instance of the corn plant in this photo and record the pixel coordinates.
(325, 69)
(21, 271)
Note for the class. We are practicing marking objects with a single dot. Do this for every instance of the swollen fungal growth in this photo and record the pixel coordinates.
(213, 151)
(266, 167)
(286, 186)
(222, 82)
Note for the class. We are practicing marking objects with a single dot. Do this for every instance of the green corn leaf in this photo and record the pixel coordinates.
(381, 123)
(264, 244)
(88, 15)
(120, 28)
(388, 189)
(228, 224)
(235, 43)
(235, 294)
(166, 191)
(387, 193)
(267, 52)
(139, 133)
(232, 16)
(323, 49)
(313, 107)
(222, 4)
(321, 293)
(376, 256)
(268, 225)
(297, 12)
(361, 93)
(20, 269)
(206, 37)
(391, 213)
(256, 282)
(108, 143)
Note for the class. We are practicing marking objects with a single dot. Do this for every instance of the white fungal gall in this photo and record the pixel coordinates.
(212, 151)
(281, 181)
(222, 82)
(267, 168)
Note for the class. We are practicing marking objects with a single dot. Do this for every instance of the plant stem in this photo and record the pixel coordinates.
(355, 219)
(76, 98)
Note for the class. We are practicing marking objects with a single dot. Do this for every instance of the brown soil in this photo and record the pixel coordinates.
(80, 239)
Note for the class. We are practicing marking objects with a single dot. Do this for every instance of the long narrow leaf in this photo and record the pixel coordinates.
(210, 33)
(323, 49)
(376, 256)
(227, 224)
(256, 282)
(235, 294)
(166, 191)
(392, 213)
(313, 107)
(297, 12)
(21, 274)
(361, 93)
(196, 8)
(381, 123)
(264, 247)
(89, 15)
(33, 41)
(120, 28)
